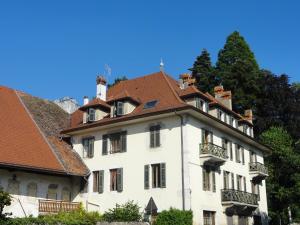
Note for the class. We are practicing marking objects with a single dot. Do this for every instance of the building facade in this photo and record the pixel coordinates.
(155, 138)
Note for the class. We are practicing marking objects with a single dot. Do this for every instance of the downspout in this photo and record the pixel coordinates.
(182, 160)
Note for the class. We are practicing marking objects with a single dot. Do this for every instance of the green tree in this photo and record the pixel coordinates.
(239, 72)
(204, 73)
(284, 175)
(5, 200)
(117, 80)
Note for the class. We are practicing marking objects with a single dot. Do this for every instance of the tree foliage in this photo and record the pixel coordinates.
(117, 80)
(283, 183)
(5, 200)
(204, 73)
(239, 72)
(174, 217)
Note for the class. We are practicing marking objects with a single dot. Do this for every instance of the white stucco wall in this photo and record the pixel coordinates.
(30, 203)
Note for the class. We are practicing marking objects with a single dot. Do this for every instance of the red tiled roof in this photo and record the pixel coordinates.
(96, 102)
(29, 137)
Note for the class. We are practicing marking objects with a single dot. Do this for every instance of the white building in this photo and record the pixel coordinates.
(154, 137)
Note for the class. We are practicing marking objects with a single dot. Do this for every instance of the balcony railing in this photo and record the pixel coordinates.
(239, 197)
(258, 167)
(52, 206)
(212, 149)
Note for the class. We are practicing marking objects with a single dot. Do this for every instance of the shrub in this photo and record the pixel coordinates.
(129, 212)
(174, 217)
(78, 217)
(5, 200)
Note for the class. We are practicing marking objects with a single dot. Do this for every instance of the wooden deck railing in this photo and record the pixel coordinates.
(52, 206)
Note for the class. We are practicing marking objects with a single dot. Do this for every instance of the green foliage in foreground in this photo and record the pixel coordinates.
(79, 217)
(128, 212)
(174, 217)
(5, 200)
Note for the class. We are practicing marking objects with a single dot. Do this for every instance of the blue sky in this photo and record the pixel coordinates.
(56, 48)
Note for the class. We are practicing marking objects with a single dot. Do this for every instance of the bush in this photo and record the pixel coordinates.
(174, 217)
(129, 212)
(5, 200)
(78, 217)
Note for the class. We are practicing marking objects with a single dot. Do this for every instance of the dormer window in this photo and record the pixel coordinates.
(120, 109)
(220, 114)
(199, 103)
(91, 114)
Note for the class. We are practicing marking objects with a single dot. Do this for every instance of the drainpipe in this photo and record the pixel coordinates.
(182, 160)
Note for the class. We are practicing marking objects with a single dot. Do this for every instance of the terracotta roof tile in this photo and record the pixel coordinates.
(96, 102)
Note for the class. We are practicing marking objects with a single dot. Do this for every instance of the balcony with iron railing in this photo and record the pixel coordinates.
(54, 206)
(239, 198)
(212, 154)
(257, 171)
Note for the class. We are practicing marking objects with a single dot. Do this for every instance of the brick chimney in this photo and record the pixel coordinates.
(248, 115)
(186, 80)
(223, 96)
(101, 88)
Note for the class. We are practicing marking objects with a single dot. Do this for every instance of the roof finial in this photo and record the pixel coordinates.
(161, 65)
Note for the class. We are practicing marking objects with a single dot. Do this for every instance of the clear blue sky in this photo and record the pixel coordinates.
(55, 48)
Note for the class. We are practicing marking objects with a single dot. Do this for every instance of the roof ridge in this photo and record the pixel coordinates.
(40, 131)
(170, 86)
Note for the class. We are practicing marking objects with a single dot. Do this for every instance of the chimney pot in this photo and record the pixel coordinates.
(85, 100)
(101, 88)
(218, 89)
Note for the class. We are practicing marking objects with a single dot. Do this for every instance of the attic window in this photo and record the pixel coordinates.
(150, 104)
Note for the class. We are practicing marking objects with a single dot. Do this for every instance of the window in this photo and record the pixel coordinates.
(120, 108)
(52, 191)
(207, 137)
(231, 120)
(226, 179)
(66, 194)
(150, 104)
(208, 218)
(155, 136)
(242, 220)
(225, 144)
(199, 103)
(32, 189)
(245, 184)
(158, 175)
(206, 180)
(13, 187)
(116, 179)
(98, 181)
(253, 157)
(220, 114)
(232, 181)
(237, 153)
(239, 182)
(231, 151)
(255, 189)
(117, 143)
(88, 147)
(91, 115)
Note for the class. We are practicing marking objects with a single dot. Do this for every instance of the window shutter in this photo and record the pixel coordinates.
(124, 141)
(101, 181)
(223, 143)
(146, 176)
(203, 136)
(120, 179)
(91, 148)
(104, 144)
(232, 181)
(85, 119)
(204, 185)
(151, 137)
(163, 175)
(213, 181)
(245, 185)
(231, 153)
(237, 155)
(211, 137)
(243, 155)
(157, 136)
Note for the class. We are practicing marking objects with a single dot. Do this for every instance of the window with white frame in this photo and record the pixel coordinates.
(209, 218)
(120, 109)
(88, 147)
(154, 136)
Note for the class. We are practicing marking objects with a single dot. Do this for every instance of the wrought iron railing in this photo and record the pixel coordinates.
(52, 206)
(259, 167)
(230, 195)
(213, 149)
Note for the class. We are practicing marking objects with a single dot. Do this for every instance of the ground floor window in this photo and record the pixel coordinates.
(116, 179)
(208, 218)
(243, 220)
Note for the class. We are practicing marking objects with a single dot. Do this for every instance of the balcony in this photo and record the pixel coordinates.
(257, 171)
(212, 154)
(52, 206)
(238, 202)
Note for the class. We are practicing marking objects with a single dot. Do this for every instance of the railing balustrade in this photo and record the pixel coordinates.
(230, 195)
(213, 149)
(52, 206)
(259, 167)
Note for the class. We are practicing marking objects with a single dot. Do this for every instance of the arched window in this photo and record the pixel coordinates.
(32, 189)
(66, 194)
(13, 187)
(52, 191)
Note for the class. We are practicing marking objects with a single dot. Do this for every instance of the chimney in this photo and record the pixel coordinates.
(85, 100)
(223, 96)
(101, 88)
(248, 115)
(186, 80)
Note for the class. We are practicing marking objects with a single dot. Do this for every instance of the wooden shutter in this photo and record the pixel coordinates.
(243, 155)
(204, 185)
(231, 152)
(232, 181)
(152, 137)
(237, 155)
(213, 181)
(146, 176)
(245, 184)
(91, 147)
(104, 144)
(157, 136)
(85, 119)
(101, 181)
(120, 179)
(211, 137)
(124, 141)
(224, 180)
(203, 136)
(163, 175)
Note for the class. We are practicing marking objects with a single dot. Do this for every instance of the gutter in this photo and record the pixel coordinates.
(182, 160)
